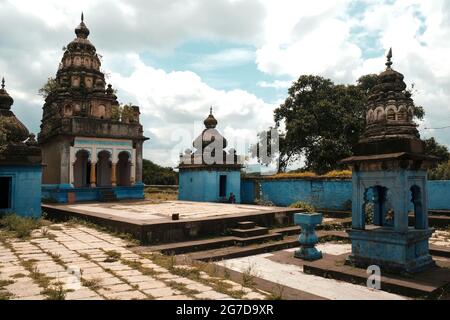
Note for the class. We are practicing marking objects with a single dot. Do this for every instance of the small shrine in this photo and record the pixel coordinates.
(20, 163)
(210, 173)
(389, 206)
(91, 146)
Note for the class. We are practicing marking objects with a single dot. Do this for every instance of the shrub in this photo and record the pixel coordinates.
(441, 172)
(22, 226)
(303, 205)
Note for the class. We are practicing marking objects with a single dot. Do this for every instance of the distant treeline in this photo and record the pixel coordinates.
(154, 174)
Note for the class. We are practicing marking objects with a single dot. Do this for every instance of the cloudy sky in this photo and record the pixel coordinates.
(177, 58)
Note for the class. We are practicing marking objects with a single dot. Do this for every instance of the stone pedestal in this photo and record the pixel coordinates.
(390, 250)
(308, 238)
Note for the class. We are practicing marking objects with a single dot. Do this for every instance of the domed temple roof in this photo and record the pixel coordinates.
(391, 138)
(79, 97)
(19, 146)
(390, 109)
(15, 130)
(209, 144)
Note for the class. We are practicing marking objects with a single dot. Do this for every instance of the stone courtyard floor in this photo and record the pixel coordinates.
(149, 211)
(76, 262)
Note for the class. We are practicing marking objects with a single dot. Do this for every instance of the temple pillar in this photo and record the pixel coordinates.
(137, 170)
(93, 175)
(114, 174)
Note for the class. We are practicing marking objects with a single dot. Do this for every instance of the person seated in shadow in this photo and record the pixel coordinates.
(232, 198)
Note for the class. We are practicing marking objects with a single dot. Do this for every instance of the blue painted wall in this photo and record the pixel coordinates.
(55, 193)
(203, 185)
(326, 194)
(25, 189)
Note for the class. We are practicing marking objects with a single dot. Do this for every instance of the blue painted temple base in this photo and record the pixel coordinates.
(60, 193)
(24, 192)
(390, 250)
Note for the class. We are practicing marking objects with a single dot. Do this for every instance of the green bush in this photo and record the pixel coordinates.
(21, 226)
(441, 172)
(303, 205)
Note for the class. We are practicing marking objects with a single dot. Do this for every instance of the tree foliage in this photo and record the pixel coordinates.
(50, 86)
(433, 148)
(442, 172)
(324, 121)
(153, 174)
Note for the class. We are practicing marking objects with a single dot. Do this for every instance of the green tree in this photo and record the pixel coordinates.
(153, 174)
(323, 121)
(433, 148)
(49, 87)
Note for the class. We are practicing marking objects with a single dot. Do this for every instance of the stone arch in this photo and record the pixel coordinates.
(99, 111)
(402, 114)
(104, 166)
(81, 169)
(67, 110)
(379, 114)
(124, 169)
(391, 113)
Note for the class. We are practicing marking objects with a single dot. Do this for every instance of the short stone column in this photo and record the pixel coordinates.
(308, 238)
(114, 174)
(93, 175)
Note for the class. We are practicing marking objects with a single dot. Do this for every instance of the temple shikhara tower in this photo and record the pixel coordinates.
(91, 146)
(210, 173)
(20, 163)
(390, 183)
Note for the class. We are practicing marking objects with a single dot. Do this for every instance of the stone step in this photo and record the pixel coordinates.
(259, 239)
(258, 248)
(434, 221)
(439, 213)
(245, 225)
(247, 233)
(194, 246)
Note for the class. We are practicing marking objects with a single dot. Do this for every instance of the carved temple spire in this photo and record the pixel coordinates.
(210, 122)
(389, 57)
(82, 30)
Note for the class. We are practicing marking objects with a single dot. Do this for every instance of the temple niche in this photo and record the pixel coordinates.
(389, 182)
(20, 163)
(210, 173)
(91, 147)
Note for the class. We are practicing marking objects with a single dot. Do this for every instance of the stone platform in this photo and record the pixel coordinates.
(426, 284)
(152, 223)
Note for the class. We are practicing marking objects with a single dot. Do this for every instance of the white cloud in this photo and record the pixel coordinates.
(175, 103)
(277, 84)
(227, 58)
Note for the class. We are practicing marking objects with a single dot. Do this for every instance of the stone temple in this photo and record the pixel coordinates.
(20, 164)
(389, 181)
(91, 146)
(210, 173)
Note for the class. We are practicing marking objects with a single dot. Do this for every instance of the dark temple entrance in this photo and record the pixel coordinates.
(223, 187)
(5, 192)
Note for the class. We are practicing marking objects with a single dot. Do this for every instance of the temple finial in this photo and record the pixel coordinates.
(210, 110)
(82, 16)
(389, 57)
(3, 83)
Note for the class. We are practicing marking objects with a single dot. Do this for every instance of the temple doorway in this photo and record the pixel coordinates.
(124, 169)
(5, 192)
(81, 170)
(104, 169)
